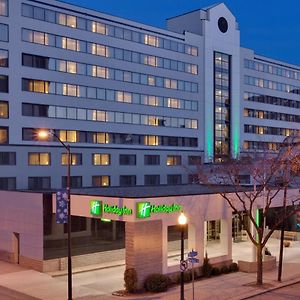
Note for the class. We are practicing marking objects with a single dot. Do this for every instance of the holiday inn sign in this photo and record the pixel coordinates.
(143, 209)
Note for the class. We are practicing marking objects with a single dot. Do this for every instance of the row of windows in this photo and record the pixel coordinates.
(98, 159)
(271, 100)
(270, 130)
(76, 136)
(271, 69)
(105, 29)
(4, 8)
(273, 85)
(120, 54)
(80, 91)
(4, 33)
(51, 111)
(44, 183)
(263, 146)
(3, 58)
(271, 115)
(97, 49)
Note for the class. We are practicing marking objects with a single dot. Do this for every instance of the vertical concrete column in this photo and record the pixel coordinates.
(143, 244)
(164, 248)
(225, 237)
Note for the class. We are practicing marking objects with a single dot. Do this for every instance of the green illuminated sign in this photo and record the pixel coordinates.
(116, 210)
(96, 207)
(145, 209)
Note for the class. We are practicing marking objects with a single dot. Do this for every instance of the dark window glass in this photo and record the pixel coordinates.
(152, 160)
(75, 181)
(127, 180)
(39, 183)
(194, 160)
(102, 180)
(3, 84)
(174, 179)
(7, 183)
(27, 10)
(7, 158)
(152, 180)
(127, 159)
(35, 61)
(77, 224)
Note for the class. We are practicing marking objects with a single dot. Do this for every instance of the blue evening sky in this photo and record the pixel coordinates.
(270, 27)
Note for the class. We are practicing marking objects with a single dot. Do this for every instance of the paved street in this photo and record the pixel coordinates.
(286, 293)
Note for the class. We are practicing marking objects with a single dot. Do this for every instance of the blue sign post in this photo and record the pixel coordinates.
(192, 259)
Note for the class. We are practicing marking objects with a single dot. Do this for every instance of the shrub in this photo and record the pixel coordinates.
(157, 283)
(286, 243)
(206, 267)
(215, 271)
(130, 279)
(187, 276)
(225, 269)
(233, 267)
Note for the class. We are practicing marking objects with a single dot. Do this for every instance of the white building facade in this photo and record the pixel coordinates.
(138, 105)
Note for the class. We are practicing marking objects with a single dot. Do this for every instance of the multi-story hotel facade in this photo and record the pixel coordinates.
(139, 105)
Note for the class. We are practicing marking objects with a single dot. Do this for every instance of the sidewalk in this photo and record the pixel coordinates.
(232, 286)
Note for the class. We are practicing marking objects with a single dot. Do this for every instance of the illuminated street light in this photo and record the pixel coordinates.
(43, 135)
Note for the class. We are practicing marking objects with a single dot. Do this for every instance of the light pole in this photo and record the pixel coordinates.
(44, 134)
(182, 220)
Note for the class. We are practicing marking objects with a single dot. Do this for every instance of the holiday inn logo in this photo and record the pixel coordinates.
(96, 207)
(145, 209)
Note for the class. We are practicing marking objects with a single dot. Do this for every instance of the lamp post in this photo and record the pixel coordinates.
(44, 134)
(182, 220)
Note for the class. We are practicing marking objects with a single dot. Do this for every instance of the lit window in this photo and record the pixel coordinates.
(101, 72)
(3, 109)
(3, 135)
(152, 100)
(101, 50)
(127, 97)
(68, 136)
(61, 19)
(71, 21)
(39, 37)
(76, 159)
(71, 67)
(151, 140)
(100, 138)
(103, 180)
(39, 159)
(3, 58)
(173, 160)
(151, 40)
(173, 103)
(101, 159)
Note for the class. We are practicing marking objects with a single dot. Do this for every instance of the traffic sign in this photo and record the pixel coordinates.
(192, 253)
(193, 260)
(183, 265)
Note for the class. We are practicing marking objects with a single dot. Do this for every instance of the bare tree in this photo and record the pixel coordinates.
(272, 174)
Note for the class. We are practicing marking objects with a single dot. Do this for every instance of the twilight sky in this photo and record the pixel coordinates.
(270, 27)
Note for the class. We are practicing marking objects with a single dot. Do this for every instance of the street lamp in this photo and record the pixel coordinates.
(182, 220)
(44, 134)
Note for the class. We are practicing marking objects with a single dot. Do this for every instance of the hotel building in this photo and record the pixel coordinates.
(139, 105)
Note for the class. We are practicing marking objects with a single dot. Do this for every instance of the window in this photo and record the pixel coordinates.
(173, 160)
(7, 158)
(151, 140)
(7, 183)
(39, 183)
(3, 135)
(35, 61)
(75, 181)
(3, 58)
(3, 84)
(152, 180)
(37, 86)
(127, 159)
(193, 178)
(4, 8)
(68, 136)
(76, 159)
(39, 159)
(127, 180)
(3, 33)
(174, 179)
(101, 180)
(152, 160)
(101, 159)
(3, 110)
(194, 160)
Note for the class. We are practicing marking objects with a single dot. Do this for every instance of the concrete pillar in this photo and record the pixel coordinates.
(143, 244)
(164, 248)
(225, 237)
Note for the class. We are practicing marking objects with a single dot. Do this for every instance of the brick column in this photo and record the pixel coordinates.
(143, 244)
